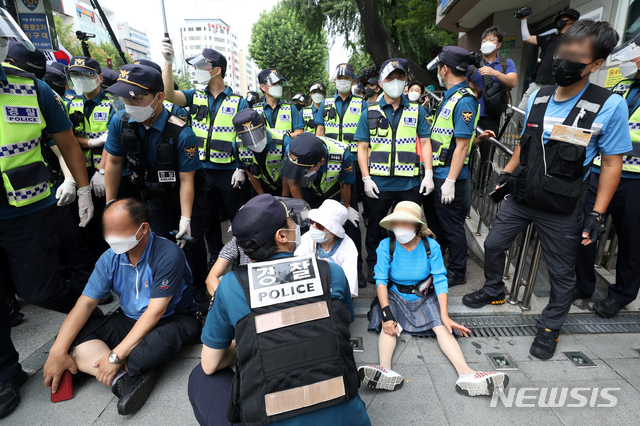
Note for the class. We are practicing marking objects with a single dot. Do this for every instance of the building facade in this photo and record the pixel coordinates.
(133, 42)
(248, 74)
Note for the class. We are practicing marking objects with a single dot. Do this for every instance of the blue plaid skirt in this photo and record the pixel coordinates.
(416, 317)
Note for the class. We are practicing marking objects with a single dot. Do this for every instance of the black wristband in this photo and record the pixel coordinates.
(387, 315)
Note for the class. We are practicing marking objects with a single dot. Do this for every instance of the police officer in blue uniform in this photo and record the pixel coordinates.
(252, 98)
(275, 386)
(277, 113)
(109, 78)
(160, 150)
(31, 61)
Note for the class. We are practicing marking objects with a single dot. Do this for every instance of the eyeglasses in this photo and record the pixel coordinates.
(317, 226)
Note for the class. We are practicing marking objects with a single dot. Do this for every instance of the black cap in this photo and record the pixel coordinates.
(318, 86)
(266, 73)
(137, 79)
(345, 70)
(305, 151)
(571, 13)
(360, 86)
(454, 56)
(249, 126)
(216, 58)
(34, 62)
(55, 79)
(298, 97)
(391, 65)
(148, 63)
(373, 81)
(109, 77)
(259, 219)
(84, 65)
(59, 66)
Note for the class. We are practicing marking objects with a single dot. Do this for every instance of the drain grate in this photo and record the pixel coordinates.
(525, 325)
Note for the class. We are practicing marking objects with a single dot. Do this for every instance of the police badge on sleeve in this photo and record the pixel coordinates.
(467, 116)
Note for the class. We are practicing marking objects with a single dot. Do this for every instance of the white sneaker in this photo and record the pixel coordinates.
(377, 377)
(481, 383)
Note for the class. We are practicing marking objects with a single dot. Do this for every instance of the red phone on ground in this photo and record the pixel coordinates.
(65, 388)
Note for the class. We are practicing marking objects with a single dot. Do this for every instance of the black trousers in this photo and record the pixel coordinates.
(9, 366)
(378, 209)
(223, 201)
(487, 123)
(625, 213)
(75, 255)
(560, 235)
(209, 396)
(165, 340)
(447, 222)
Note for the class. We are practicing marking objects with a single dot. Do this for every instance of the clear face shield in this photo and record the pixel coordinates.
(83, 82)
(433, 64)
(10, 29)
(275, 79)
(344, 70)
(139, 108)
(296, 174)
(254, 138)
(297, 210)
(627, 51)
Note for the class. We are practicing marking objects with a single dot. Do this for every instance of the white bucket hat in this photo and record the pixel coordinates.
(332, 215)
(407, 211)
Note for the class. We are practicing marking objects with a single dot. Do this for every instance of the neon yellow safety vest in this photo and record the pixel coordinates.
(393, 152)
(630, 160)
(307, 116)
(25, 174)
(343, 129)
(283, 119)
(215, 141)
(272, 161)
(92, 127)
(443, 127)
(329, 179)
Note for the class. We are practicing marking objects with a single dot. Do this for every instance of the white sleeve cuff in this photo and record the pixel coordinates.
(524, 29)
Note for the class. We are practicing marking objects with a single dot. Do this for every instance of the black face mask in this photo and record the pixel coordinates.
(567, 72)
(299, 106)
(370, 92)
(562, 23)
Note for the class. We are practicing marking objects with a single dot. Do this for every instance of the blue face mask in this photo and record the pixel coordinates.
(317, 235)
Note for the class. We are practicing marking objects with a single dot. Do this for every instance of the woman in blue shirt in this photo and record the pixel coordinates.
(402, 305)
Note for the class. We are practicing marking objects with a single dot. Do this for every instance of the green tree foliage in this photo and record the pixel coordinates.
(183, 81)
(279, 40)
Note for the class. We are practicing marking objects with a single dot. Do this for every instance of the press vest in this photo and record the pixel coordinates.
(90, 127)
(294, 356)
(215, 141)
(551, 176)
(283, 118)
(442, 131)
(630, 160)
(393, 151)
(342, 129)
(309, 122)
(265, 165)
(25, 175)
(325, 183)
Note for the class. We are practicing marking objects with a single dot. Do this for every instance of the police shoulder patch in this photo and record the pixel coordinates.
(190, 151)
(467, 116)
(349, 169)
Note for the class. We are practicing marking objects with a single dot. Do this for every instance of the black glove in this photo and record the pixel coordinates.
(387, 315)
(594, 225)
(503, 178)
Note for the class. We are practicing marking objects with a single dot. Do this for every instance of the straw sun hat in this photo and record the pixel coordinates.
(407, 211)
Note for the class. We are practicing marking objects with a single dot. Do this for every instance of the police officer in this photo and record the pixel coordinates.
(299, 101)
(260, 150)
(277, 113)
(317, 92)
(160, 150)
(566, 126)
(56, 78)
(109, 78)
(452, 136)
(27, 229)
(359, 90)
(30, 61)
(311, 382)
(179, 112)
(212, 111)
(372, 90)
(625, 204)
(251, 97)
(387, 153)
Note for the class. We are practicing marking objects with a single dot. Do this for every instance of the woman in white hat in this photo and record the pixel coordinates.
(327, 240)
(411, 282)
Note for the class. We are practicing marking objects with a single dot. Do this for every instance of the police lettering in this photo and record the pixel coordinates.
(286, 291)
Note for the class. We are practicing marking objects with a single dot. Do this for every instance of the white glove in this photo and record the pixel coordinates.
(370, 187)
(97, 184)
(183, 228)
(99, 141)
(448, 191)
(427, 185)
(85, 205)
(238, 178)
(353, 216)
(167, 51)
(66, 193)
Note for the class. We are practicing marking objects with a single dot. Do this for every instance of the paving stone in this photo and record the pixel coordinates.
(564, 373)
(475, 349)
(607, 346)
(627, 368)
(431, 352)
(518, 347)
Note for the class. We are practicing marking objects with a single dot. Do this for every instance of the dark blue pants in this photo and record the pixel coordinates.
(447, 222)
(209, 396)
(9, 366)
(76, 257)
(625, 212)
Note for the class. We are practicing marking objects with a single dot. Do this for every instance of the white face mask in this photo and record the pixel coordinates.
(298, 239)
(317, 235)
(260, 145)
(488, 47)
(414, 96)
(394, 88)
(440, 82)
(4, 49)
(84, 84)
(404, 235)
(628, 69)
(317, 98)
(140, 113)
(121, 245)
(276, 91)
(343, 86)
(203, 76)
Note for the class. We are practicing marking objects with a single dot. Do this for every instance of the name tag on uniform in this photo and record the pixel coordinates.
(445, 113)
(225, 110)
(166, 176)
(284, 117)
(335, 157)
(20, 114)
(100, 116)
(410, 122)
(283, 280)
(573, 135)
(354, 110)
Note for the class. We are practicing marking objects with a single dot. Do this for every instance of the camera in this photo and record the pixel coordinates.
(475, 58)
(525, 11)
(82, 36)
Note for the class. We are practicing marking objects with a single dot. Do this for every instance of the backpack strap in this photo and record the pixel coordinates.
(392, 245)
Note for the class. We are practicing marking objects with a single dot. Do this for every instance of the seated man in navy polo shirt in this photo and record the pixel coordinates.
(155, 320)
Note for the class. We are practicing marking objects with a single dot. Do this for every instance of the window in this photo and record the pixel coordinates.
(632, 26)
(190, 29)
(198, 28)
(195, 38)
(220, 39)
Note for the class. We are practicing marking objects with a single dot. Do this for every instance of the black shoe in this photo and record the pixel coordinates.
(544, 345)
(579, 294)
(106, 300)
(118, 385)
(202, 302)
(362, 281)
(13, 303)
(455, 279)
(134, 392)
(607, 308)
(479, 298)
(15, 318)
(370, 275)
(10, 393)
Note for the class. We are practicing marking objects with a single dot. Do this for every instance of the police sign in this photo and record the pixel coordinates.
(21, 114)
(283, 280)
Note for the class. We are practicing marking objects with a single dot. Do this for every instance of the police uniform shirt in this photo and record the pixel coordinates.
(162, 271)
(385, 183)
(477, 79)
(187, 148)
(214, 107)
(611, 125)
(230, 305)
(464, 127)
(346, 176)
(286, 140)
(90, 104)
(52, 109)
(340, 105)
(271, 115)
